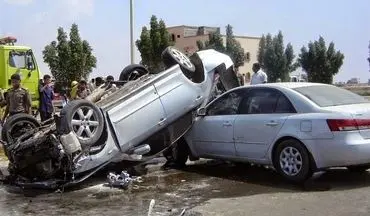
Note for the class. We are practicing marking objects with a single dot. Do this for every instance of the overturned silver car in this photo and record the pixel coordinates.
(135, 122)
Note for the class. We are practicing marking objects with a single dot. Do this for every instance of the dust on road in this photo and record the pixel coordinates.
(208, 187)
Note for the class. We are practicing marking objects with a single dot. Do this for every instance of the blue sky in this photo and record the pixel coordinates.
(105, 24)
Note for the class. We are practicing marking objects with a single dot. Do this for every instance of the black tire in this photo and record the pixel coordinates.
(358, 168)
(127, 72)
(178, 154)
(170, 57)
(305, 170)
(17, 125)
(70, 112)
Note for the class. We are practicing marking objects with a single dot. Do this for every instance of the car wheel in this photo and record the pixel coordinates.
(292, 161)
(178, 154)
(358, 168)
(172, 56)
(85, 119)
(16, 125)
(132, 72)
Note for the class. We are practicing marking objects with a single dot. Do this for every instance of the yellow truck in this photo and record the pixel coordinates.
(19, 59)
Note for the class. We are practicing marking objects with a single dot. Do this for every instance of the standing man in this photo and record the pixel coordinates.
(83, 91)
(258, 76)
(47, 96)
(74, 88)
(18, 100)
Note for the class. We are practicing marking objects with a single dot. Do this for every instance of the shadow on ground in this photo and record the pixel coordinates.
(256, 178)
(173, 190)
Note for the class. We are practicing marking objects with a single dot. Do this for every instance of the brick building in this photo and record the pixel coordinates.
(186, 37)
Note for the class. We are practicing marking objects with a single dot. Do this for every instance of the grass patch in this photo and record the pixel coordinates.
(360, 90)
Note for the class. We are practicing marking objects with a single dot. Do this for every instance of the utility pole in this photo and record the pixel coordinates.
(368, 59)
(132, 44)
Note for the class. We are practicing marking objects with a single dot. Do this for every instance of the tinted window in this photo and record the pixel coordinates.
(17, 60)
(259, 101)
(227, 104)
(284, 106)
(325, 96)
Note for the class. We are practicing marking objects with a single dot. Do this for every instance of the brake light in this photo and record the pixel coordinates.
(348, 124)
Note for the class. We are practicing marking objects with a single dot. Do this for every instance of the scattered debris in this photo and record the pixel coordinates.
(151, 206)
(182, 212)
(122, 180)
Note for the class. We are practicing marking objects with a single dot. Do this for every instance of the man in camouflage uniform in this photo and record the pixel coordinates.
(18, 100)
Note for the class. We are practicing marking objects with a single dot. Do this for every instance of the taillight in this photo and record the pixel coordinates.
(348, 124)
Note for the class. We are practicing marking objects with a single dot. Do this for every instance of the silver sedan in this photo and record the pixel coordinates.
(298, 128)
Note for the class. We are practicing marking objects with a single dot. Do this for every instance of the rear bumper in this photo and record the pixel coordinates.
(343, 150)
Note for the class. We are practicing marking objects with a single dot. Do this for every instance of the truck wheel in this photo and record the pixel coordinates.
(85, 119)
(17, 125)
(172, 56)
(132, 72)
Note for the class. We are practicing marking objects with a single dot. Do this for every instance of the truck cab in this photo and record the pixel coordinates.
(19, 59)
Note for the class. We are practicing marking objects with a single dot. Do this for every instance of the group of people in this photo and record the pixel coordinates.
(18, 100)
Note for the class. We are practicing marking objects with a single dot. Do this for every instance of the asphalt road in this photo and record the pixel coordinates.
(204, 188)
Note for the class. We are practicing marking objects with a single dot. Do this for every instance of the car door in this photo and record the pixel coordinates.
(177, 94)
(213, 134)
(262, 114)
(138, 117)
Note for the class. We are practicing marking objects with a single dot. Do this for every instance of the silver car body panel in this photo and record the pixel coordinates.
(144, 107)
(251, 138)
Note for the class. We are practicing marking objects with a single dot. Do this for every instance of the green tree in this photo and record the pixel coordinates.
(69, 59)
(276, 59)
(152, 43)
(231, 48)
(234, 49)
(319, 62)
(215, 41)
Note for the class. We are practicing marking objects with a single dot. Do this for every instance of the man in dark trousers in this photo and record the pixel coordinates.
(18, 99)
(47, 96)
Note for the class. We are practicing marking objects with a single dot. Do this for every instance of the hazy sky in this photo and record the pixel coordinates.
(105, 24)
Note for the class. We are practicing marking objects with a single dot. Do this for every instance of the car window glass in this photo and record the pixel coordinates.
(259, 101)
(284, 106)
(227, 104)
(17, 60)
(327, 95)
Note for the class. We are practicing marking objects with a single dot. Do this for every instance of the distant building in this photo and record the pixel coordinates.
(353, 81)
(186, 37)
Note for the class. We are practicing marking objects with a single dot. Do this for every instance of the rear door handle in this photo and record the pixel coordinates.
(227, 124)
(272, 124)
(161, 122)
(198, 98)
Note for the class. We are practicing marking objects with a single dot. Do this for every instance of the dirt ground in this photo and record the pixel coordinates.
(202, 188)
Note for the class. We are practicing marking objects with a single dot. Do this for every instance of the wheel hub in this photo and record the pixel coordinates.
(290, 161)
(85, 122)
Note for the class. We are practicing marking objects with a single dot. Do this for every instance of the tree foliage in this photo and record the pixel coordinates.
(319, 62)
(69, 58)
(232, 47)
(276, 59)
(152, 43)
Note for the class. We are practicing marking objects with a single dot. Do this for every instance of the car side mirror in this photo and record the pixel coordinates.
(201, 111)
(30, 65)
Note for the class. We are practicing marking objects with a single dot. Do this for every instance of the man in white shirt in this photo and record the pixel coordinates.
(259, 76)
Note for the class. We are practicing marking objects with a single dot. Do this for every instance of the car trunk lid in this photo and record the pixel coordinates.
(359, 112)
